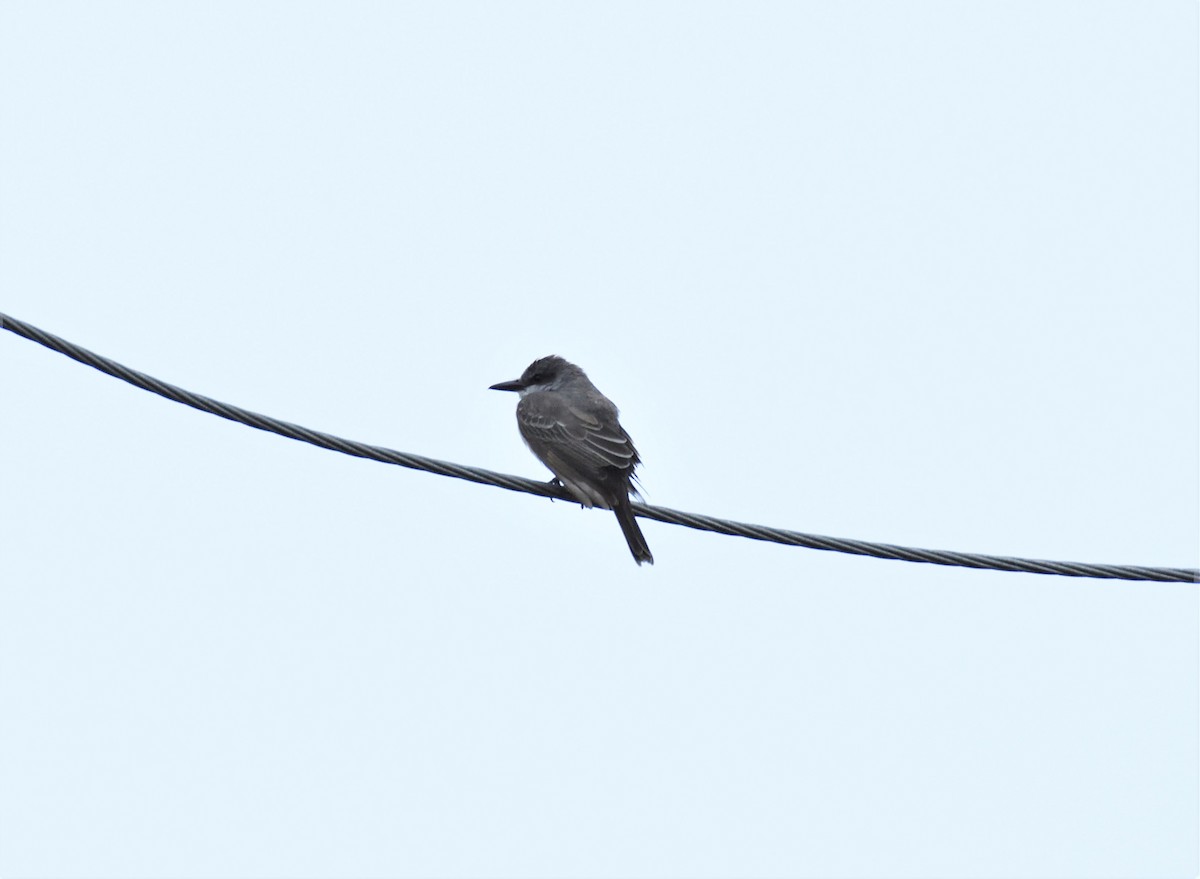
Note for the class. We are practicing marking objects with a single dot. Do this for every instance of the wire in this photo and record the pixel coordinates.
(546, 489)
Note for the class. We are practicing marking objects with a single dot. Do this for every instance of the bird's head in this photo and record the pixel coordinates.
(546, 373)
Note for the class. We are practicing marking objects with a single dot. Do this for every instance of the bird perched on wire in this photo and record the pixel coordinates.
(573, 429)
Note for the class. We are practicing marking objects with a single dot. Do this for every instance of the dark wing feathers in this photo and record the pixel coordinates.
(575, 436)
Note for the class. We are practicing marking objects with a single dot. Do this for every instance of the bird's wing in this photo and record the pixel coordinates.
(573, 435)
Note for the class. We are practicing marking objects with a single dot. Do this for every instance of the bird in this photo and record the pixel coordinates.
(574, 430)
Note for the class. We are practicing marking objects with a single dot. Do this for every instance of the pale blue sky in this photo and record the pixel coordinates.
(923, 273)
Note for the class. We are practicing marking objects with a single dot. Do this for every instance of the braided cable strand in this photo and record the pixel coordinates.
(546, 489)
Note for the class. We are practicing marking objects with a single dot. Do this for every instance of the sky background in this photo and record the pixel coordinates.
(923, 273)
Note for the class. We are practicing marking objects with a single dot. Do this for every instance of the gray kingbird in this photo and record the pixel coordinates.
(573, 430)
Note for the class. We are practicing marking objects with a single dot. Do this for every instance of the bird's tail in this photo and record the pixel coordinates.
(633, 534)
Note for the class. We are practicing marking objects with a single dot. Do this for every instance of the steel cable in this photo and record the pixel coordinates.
(546, 489)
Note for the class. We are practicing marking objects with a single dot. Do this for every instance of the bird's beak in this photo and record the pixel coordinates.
(507, 386)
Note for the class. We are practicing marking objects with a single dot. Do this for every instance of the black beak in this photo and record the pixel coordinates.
(508, 386)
